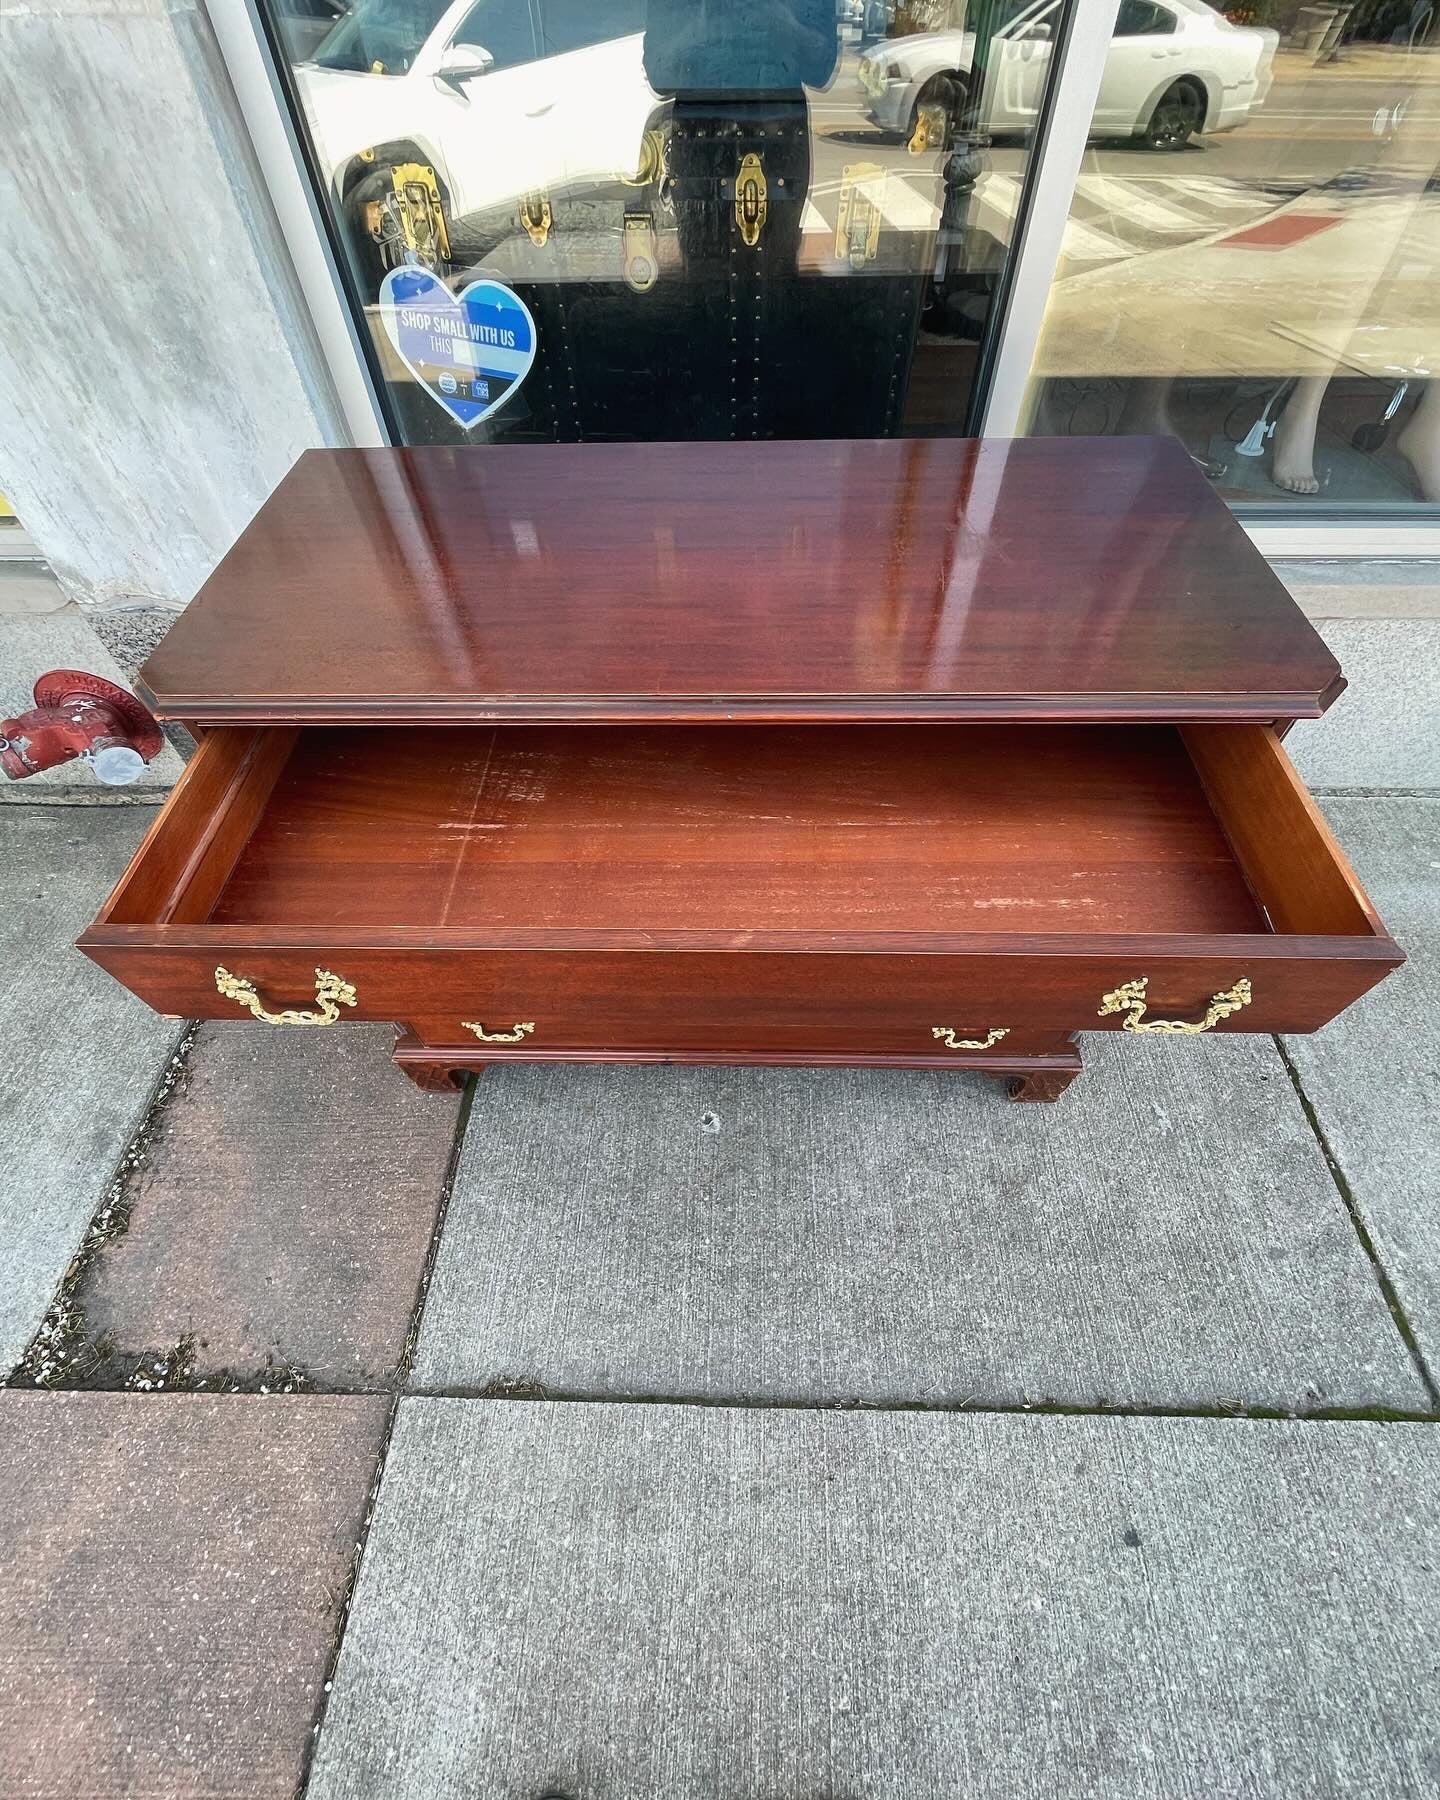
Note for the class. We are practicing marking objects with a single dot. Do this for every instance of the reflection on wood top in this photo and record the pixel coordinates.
(924, 578)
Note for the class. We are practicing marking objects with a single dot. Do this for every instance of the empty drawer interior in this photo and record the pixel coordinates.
(1064, 829)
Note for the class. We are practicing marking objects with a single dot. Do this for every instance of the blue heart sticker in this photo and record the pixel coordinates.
(469, 351)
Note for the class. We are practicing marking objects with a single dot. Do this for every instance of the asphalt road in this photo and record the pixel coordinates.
(1310, 129)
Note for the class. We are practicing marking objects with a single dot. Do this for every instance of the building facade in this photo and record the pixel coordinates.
(245, 227)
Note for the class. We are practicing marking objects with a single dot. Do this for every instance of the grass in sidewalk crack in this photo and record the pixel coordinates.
(66, 1353)
(63, 1352)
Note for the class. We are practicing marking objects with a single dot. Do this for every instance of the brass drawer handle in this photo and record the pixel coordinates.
(331, 993)
(1130, 998)
(497, 1037)
(947, 1033)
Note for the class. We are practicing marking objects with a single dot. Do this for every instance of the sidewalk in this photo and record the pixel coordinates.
(748, 1433)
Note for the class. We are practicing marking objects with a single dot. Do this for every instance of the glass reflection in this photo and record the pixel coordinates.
(1254, 270)
(725, 220)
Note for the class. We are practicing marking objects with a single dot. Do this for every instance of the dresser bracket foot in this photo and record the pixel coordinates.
(429, 1069)
(436, 1078)
(1045, 1084)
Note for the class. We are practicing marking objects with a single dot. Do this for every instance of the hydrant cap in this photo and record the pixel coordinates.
(60, 685)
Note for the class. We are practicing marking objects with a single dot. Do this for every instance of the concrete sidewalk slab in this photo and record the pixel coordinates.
(284, 1215)
(1168, 1234)
(655, 1601)
(82, 1055)
(27, 587)
(1373, 1074)
(172, 1572)
(1379, 589)
(1381, 732)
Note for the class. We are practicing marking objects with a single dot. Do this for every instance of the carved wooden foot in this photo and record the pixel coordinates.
(428, 1065)
(434, 1077)
(1046, 1084)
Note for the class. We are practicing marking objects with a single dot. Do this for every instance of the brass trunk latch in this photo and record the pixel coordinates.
(857, 220)
(751, 204)
(536, 216)
(421, 216)
(640, 250)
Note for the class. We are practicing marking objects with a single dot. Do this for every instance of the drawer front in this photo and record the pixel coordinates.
(246, 836)
(746, 1000)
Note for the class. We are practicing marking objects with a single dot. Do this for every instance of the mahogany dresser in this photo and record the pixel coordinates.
(916, 753)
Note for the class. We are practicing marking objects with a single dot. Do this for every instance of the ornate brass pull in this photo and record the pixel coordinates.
(1130, 998)
(947, 1033)
(497, 1037)
(331, 993)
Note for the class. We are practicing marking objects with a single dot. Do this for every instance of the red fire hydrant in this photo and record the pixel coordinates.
(76, 714)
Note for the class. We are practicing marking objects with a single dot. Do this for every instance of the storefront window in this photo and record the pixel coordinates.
(610, 219)
(1252, 260)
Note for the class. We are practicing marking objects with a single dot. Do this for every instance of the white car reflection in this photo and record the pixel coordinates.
(1174, 68)
(468, 104)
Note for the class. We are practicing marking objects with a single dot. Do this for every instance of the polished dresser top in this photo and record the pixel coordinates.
(1040, 578)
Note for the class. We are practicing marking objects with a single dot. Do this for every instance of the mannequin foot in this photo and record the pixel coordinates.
(1292, 449)
(1292, 460)
(1296, 484)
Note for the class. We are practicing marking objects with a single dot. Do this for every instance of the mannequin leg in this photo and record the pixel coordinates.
(1292, 464)
(1420, 441)
(1146, 410)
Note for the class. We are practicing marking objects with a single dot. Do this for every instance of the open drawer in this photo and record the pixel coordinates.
(745, 888)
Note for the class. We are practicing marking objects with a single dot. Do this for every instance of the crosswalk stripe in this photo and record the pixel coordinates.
(1080, 243)
(1112, 219)
(1123, 201)
(903, 209)
(1218, 194)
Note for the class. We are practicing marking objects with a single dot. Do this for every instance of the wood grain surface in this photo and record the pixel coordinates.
(861, 828)
(1084, 578)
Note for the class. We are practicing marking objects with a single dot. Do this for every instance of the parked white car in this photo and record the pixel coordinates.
(482, 100)
(1174, 68)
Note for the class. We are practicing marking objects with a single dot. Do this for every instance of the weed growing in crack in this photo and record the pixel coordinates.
(173, 1368)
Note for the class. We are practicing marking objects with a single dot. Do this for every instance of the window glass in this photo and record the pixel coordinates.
(574, 24)
(1138, 18)
(379, 37)
(1252, 257)
(1013, 15)
(503, 29)
(666, 219)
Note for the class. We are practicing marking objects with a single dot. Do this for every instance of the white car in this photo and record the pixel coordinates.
(1174, 68)
(454, 106)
